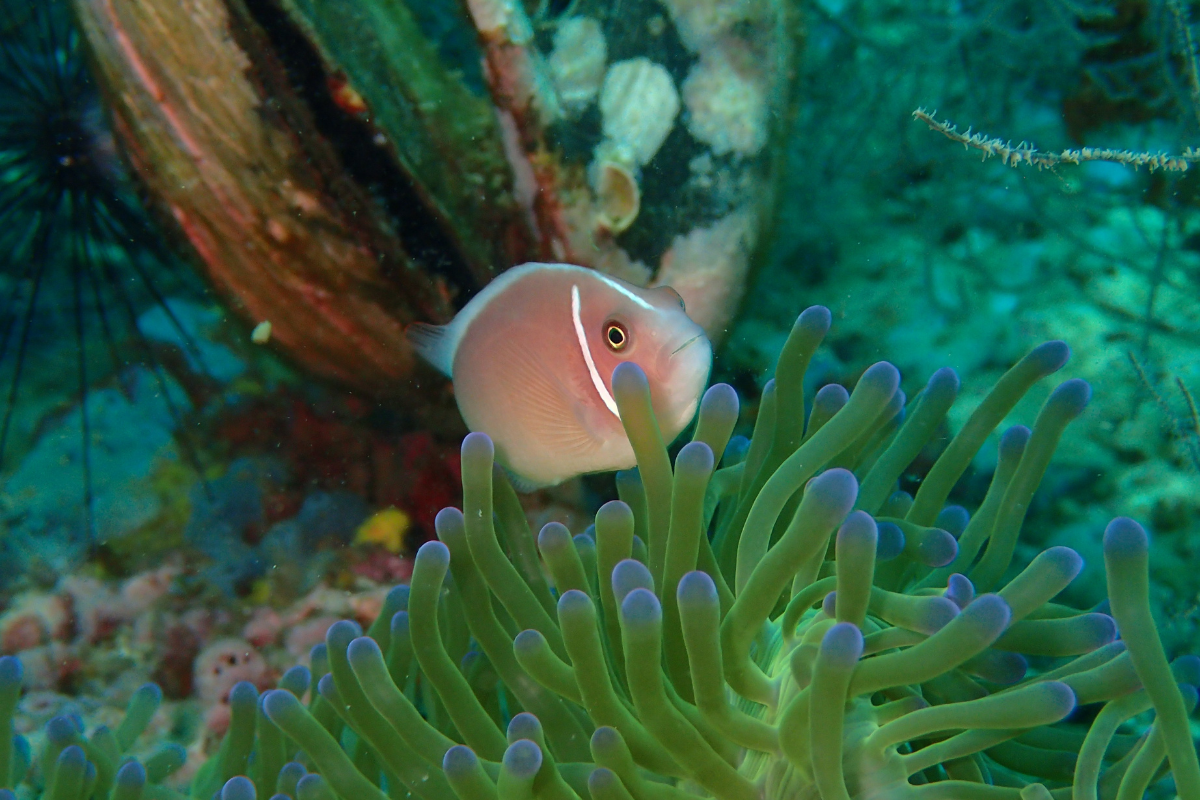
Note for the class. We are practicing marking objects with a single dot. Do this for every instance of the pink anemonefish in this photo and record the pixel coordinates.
(532, 357)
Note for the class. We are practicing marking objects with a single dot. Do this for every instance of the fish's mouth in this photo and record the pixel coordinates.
(685, 344)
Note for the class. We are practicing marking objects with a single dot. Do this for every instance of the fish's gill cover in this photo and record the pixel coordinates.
(827, 640)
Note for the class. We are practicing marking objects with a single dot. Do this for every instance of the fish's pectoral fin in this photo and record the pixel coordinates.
(434, 344)
(549, 411)
(521, 485)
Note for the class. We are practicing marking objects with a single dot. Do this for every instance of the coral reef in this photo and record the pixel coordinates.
(834, 638)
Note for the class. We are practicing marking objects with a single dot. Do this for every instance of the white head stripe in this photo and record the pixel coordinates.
(637, 300)
(587, 354)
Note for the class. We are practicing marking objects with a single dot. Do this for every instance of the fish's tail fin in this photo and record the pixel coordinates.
(432, 343)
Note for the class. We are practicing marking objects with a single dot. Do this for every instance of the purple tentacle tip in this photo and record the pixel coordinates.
(523, 758)
(279, 703)
(831, 397)
(628, 575)
(953, 519)
(629, 377)
(880, 377)
(842, 644)
(72, 757)
(553, 534)
(573, 601)
(1066, 561)
(616, 511)
(1013, 441)
(62, 730)
(829, 604)
(1059, 696)
(310, 785)
(1190, 696)
(816, 319)
(459, 760)
(960, 590)
(937, 549)
(1187, 669)
(605, 737)
(695, 458)
(528, 641)
(836, 488)
(243, 693)
(721, 398)
(341, 633)
(696, 588)
(11, 671)
(238, 788)
(1099, 629)
(641, 607)
(937, 612)
(1124, 537)
(131, 775)
(434, 553)
(1050, 356)
(1071, 396)
(325, 687)
(397, 598)
(989, 612)
(524, 726)
(891, 541)
(364, 648)
(858, 529)
(602, 780)
(448, 519)
(944, 381)
(478, 445)
(1003, 668)
(736, 449)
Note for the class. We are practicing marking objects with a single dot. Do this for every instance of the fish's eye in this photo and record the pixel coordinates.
(615, 336)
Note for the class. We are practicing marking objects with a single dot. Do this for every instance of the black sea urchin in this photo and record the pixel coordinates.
(81, 260)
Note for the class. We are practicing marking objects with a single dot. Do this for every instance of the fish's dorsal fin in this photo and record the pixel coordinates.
(434, 344)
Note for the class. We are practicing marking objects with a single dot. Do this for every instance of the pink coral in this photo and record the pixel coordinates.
(264, 627)
(34, 619)
(303, 635)
(219, 667)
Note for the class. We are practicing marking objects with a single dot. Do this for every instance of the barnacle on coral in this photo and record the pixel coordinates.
(834, 639)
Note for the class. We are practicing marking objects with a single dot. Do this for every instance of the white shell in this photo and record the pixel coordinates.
(699, 22)
(726, 101)
(617, 193)
(577, 63)
(638, 103)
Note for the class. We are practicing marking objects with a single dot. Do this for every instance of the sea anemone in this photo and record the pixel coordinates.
(834, 638)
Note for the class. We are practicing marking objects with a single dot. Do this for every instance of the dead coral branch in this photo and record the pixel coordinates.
(1025, 153)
